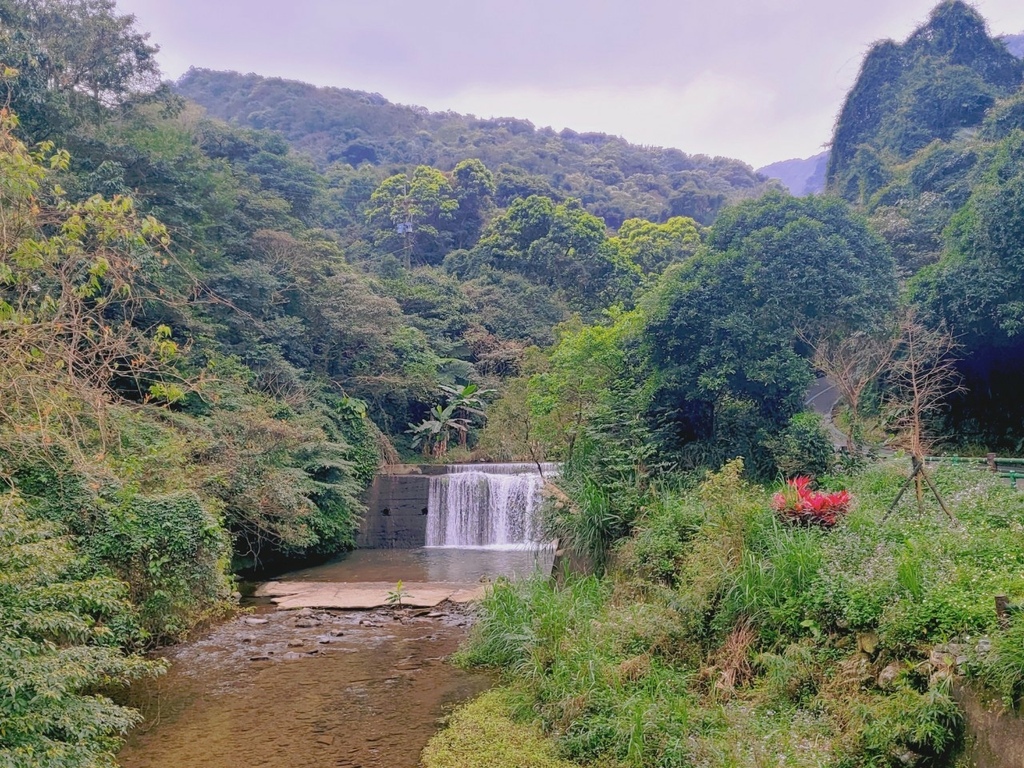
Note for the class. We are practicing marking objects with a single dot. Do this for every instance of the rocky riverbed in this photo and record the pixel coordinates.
(298, 688)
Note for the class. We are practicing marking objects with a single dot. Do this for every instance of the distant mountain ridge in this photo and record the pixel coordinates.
(614, 179)
(1015, 44)
(800, 176)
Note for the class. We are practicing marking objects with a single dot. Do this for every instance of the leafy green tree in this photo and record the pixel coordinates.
(560, 246)
(413, 216)
(582, 368)
(454, 418)
(725, 330)
(435, 432)
(653, 247)
(70, 288)
(474, 190)
(73, 58)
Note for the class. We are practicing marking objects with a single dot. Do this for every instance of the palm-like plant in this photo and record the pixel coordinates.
(435, 432)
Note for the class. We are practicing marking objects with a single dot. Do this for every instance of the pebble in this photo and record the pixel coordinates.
(254, 621)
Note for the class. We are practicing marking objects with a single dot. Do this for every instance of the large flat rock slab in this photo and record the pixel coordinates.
(366, 595)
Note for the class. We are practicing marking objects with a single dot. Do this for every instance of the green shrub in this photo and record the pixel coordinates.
(1003, 667)
(60, 643)
(173, 554)
(928, 725)
(169, 548)
(803, 447)
(662, 537)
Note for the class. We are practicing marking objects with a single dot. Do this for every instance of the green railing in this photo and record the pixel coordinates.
(991, 462)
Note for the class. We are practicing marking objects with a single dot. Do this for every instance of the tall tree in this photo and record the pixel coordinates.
(74, 58)
(725, 329)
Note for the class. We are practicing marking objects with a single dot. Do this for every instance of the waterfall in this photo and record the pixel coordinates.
(486, 505)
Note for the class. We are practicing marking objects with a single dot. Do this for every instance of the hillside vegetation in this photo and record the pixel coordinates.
(941, 186)
(726, 625)
(614, 179)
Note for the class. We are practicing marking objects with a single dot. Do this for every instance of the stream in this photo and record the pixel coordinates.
(362, 689)
(291, 689)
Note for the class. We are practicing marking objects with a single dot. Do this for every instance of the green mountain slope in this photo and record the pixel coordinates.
(614, 179)
(929, 145)
(941, 80)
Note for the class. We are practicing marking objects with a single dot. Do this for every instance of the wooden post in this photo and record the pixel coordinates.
(990, 459)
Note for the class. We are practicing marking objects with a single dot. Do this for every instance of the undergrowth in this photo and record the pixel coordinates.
(723, 636)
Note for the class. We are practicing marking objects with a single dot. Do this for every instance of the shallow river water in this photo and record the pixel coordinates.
(291, 689)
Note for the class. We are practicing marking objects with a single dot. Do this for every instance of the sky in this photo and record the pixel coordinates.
(758, 80)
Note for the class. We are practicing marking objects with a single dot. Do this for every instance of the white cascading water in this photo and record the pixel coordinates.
(486, 505)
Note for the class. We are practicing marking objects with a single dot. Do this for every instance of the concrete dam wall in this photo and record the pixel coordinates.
(458, 505)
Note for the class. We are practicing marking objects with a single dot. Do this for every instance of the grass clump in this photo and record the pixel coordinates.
(483, 734)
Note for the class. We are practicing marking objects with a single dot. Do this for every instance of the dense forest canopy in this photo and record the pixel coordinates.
(614, 179)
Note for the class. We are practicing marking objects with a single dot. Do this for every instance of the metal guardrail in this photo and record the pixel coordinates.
(990, 462)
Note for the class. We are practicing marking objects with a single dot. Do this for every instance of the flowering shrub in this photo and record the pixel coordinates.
(800, 504)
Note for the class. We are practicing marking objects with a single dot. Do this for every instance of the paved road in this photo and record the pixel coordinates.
(822, 397)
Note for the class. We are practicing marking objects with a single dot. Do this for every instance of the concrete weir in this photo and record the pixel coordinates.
(396, 507)
(459, 505)
(449, 515)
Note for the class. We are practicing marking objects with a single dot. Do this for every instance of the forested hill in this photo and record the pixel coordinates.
(930, 145)
(614, 179)
(944, 78)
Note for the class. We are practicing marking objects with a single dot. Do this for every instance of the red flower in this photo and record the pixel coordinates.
(801, 504)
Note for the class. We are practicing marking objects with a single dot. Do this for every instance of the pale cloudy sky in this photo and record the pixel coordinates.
(760, 80)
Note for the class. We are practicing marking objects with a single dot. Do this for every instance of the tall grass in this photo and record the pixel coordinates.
(726, 637)
(1003, 666)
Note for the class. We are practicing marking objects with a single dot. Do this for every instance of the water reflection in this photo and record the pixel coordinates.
(430, 564)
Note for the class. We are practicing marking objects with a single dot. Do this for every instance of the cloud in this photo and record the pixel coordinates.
(757, 79)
